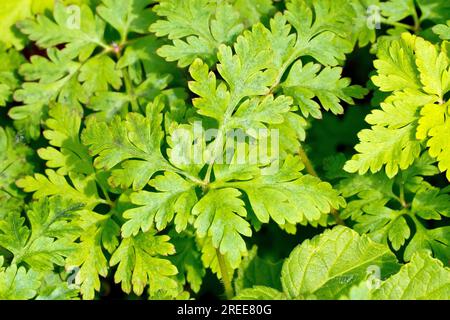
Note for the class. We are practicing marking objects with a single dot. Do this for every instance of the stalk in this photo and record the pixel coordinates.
(225, 275)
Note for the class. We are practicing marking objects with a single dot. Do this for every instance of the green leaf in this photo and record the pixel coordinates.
(373, 191)
(331, 263)
(252, 11)
(322, 28)
(147, 174)
(48, 239)
(14, 234)
(435, 240)
(394, 146)
(433, 67)
(399, 233)
(84, 189)
(257, 271)
(14, 11)
(422, 278)
(140, 264)
(67, 153)
(443, 30)
(413, 177)
(127, 16)
(431, 204)
(176, 196)
(99, 72)
(434, 125)
(76, 27)
(98, 231)
(18, 284)
(134, 143)
(418, 73)
(260, 293)
(214, 98)
(396, 65)
(55, 288)
(220, 215)
(14, 164)
(57, 82)
(305, 82)
(142, 50)
(255, 114)
(11, 61)
(434, 10)
(287, 196)
(384, 224)
(197, 28)
(397, 10)
(244, 72)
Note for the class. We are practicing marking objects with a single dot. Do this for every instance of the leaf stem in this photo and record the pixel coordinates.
(416, 20)
(292, 57)
(308, 165)
(402, 196)
(105, 193)
(128, 83)
(219, 141)
(225, 275)
(398, 24)
(130, 90)
(190, 177)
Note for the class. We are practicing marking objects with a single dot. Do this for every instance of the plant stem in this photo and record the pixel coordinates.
(128, 83)
(398, 24)
(130, 90)
(308, 165)
(225, 275)
(402, 196)
(105, 193)
(416, 20)
(219, 141)
(336, 217)
(310, 169)
(189, 176)
(283, 69)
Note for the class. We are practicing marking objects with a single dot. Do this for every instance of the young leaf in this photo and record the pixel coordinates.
(404, 68)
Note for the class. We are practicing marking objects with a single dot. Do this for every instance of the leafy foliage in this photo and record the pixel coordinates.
(415, 112)
(151, 145)
(345, 260)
